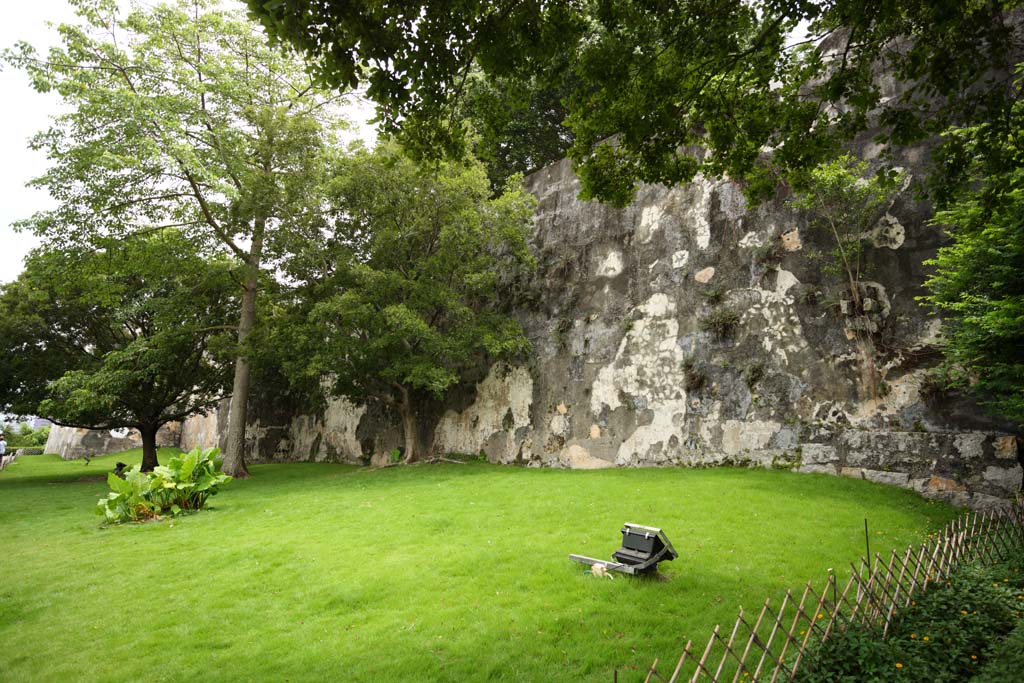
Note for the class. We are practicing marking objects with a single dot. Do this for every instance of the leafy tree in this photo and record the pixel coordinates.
(516, 124)
(978, 283)
(415, 57)
(181, 115)
(407, 281)
(844, 201)
(661, 90)
(129, 336)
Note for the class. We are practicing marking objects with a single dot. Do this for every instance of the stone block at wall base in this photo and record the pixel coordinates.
(817, 469)
(892, 478)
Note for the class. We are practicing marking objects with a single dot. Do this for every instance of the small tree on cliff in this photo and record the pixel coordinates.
(180, 114)
(844, 201)
(408, 280)
(132, 336)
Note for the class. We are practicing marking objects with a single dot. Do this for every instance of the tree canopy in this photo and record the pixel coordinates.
(181, 115)
(403, 289)
(133, 335)
(657, 91)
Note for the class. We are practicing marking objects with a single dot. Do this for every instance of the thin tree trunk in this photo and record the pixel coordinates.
(234, 447)
(149, 460)
(409, 427)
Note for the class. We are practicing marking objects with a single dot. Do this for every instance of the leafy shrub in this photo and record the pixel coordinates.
(129, 499)
(944, 636)
(184, 484)
(1007, 660)
(855, 655)
(949, 631)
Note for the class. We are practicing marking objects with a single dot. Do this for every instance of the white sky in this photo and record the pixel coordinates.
(24, 112)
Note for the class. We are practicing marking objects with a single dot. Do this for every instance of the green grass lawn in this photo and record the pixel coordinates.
(314, 572)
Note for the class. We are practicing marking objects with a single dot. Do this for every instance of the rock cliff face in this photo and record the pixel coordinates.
(71, 443)
(693, 329)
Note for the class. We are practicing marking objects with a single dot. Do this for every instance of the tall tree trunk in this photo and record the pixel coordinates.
(148, 432)
(234, 447)
(409, 427)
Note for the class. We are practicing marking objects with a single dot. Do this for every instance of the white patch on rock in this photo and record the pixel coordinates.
(780, 328)
(579, 458)
(341, 420)
(903, 392)
(503, 391)
(559, 425)
(197, 431)
(740, 436)
(784, 281)
(611, 266)
(791, 240)
(647, 367)
(650, 223)
(704, 276)
(888, 233)
(751, 239)
(331, 436)
(680, 258)
(932, 332)
(698, 214)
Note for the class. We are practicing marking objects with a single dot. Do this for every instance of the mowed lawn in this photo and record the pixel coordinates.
(317, 572)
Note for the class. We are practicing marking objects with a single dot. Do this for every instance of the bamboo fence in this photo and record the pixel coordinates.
(769, 645)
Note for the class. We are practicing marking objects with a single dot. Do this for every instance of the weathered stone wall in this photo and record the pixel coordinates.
(204, 431)
(71, 443)
(693, 329)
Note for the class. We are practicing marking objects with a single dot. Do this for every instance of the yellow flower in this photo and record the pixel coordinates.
(898, 665)
(913, 636)
(963, 611)
(821, 616)
(926, 637)
(974, 656)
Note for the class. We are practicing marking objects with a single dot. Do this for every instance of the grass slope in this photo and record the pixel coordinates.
(314, 572)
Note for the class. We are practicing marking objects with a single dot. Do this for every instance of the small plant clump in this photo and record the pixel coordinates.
(184, 484)
(720, 322)
(754, 373)
(695, 373)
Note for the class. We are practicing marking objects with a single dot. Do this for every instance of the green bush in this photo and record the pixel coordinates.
(855, 655)
(24, 436)
(1007, 660)
(184, 484)
(946, 635)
